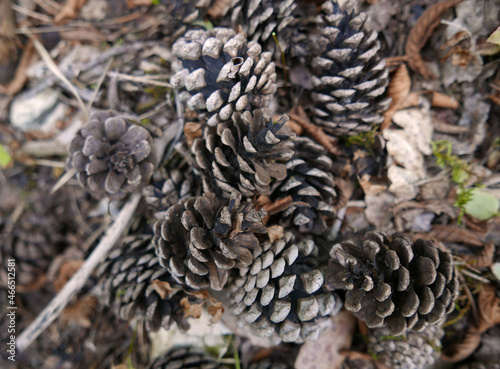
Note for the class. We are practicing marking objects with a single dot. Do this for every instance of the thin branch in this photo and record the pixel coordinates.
(78, 280)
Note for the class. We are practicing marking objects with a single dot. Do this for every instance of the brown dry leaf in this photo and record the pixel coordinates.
(292, 126)
(345, 189)
(463, 349)
(80, 312)
(275, 232)
(16, 84)
(66, 271)
(192, 130)
(135, 3)
(35, 285)
(370, 187)
(216, 310)
(460, 49)
(191, 310)
(421, 32)
(489, 308)
(162, 288)
(398, 91)
(440, 100)
(69, 11)
(484, 259)
(219, 8)
(278, 205)
(452, 233)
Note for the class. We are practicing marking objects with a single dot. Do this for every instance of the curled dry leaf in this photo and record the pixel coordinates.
(452, 233)
(482, 260)
(275, 232)
(421, 32)
(69, 11)
(216, 310)
(214, 307)
(193, 310)
(162, 288)
(278, 205)
(489, 308)
(463, 349)
(66, 271)
(81, 312)
(398, 91)
(192, 130)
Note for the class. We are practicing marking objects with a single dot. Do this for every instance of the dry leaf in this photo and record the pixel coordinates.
(463, 349)
(135, 3)
(216, 310)
(489, 308)
(275, 232)
(398, 91)
(193, 310)
(452, 233)
(35, 285)
(69, 11)
(192, 130)
(219, 8)
(440, 100)
(66, 271)
(460, 45)
(370, 187)
(421, 32)
(20, 77)
(162, 288)
(484, 259)
(279, 205)
(81, 312)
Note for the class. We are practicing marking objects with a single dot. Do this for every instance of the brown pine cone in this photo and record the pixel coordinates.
(127, 281)
(246, 154)
(112, 156)
(221, 73)
(393, 282)
(281, 294)
(201, 240)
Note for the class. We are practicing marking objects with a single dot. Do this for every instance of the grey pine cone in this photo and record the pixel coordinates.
(349, 77)
(222, 73)
(415, 350)
(243, 155)
(311, 185)
(185, 357)
(201, 240)
(393, 282)
(281, 294)
(112, 156)
(126, 281)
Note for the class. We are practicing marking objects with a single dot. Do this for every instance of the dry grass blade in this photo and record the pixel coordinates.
(78, 280)
(57, 72)
(421, 32)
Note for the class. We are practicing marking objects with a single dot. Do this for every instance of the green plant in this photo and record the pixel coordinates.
(364, 139)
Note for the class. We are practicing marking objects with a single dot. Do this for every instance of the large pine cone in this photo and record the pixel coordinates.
(127, 278)
(201, 240)
(221, 73)
(281, 294)
(415, 351)
(393, 282)
(185, 357)
(243, 155)
(112, 156)
(349, 76)
(311, 186)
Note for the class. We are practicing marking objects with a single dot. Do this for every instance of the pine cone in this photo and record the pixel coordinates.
(201, 240)
(281, 293)
(222, 73)
(349, 78)
(394, 282)
(311, 186)
(418, 350)
(270, 363)
(243, 155)
(169, 186)
(112, 156)
(127, 281)
(185, 357)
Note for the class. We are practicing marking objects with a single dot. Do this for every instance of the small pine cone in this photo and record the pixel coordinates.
(417, 350)
(32, 242)
(112, 156)
(393, 282)
(185, 357)
(349, 78)
(281, 293)
(221, 73)
(168, 187)
(201, 240)
(243, 155)
(311, 186)
(126, 280)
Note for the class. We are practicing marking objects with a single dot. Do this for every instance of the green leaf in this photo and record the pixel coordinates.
(494, 37)
(5, 158)
(205, 24)
(482, 205)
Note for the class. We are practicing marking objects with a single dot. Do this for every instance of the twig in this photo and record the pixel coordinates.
(77, 281)
(145, 80)
(315, 131)
(32, 14)
(57, 72)
(99, 83)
